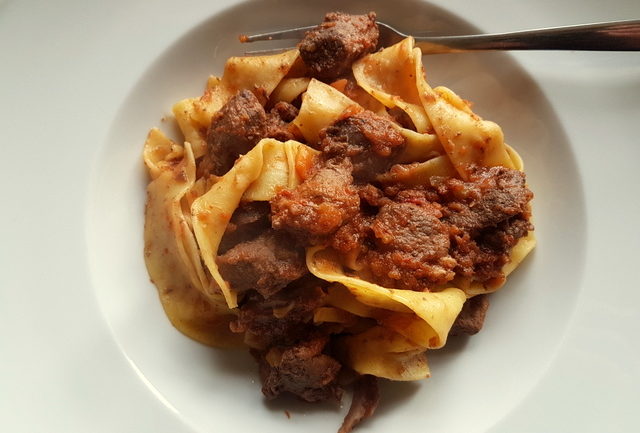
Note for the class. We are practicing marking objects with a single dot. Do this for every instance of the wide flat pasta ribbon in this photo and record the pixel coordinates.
(171, 253)
(259, 73)
(465, 136)
(389, 76)
(432, 312)
(289, 89)
(395, 76)
(418, 173)
(321, 106)
(258, 175)
(418, 147)
(160, 153)
(384, 353)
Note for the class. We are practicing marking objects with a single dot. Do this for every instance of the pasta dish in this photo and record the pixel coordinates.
(331, 211)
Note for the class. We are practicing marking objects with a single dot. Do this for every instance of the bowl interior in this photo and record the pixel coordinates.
(483, 377)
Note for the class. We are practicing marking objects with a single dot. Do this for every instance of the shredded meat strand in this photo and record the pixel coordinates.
(366, 397)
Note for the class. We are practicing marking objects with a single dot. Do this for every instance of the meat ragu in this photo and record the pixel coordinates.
(432, 231)
(331, 48)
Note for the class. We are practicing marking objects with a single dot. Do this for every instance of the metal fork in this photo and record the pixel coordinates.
(605, 36)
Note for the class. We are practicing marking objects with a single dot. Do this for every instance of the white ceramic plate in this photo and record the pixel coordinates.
(85, 345)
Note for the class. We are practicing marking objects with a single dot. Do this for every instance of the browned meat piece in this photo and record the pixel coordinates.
(331, 48)
(471, 318)
(239, 125)
(412, 247)
(370, 141)
(302, 370)
(284, 318)
(234, 130)
(505, 235)
(366, 397)
(488, 215)
(285, 111)
(353, 236)
(410, 237)
(484, 256)
(266, 264)
(319, 205)
(491, 195)
(278, 121)
(248, 221)
(474, 262)
(372, 196)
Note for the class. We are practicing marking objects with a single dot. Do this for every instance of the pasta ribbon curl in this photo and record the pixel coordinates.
(240, 73)
(256, 176)
(170, 250)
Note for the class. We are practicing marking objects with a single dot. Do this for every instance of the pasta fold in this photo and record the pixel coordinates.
(258, 175)
(290, 88)
(240, 73)
(321, 106)
(160, 153)
(432, 312)
(465, 136)
(171, 254)
(390, 76)
(384, 353)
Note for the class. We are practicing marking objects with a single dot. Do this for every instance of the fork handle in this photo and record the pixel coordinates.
(610, 36)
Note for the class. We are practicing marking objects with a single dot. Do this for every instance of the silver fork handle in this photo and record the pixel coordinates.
(611, 36)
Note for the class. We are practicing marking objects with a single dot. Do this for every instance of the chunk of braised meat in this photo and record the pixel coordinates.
(488, 215)
(412, 247)
(475, 263)
(491, 195)
(366, 397)
(505, 235)
(372, 196)
(419, 238)
(483, 257)
(286, 112)
(284, 318)
(279, 121)
(318, 206)
(247, 222)
(471, 317)
(302, 370)
(369, 140)
(330, 49)
(239, 125)
(266, 264)
(235, 129)
(354, 237)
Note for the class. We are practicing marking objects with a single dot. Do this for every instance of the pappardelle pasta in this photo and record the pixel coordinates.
(331, 211)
